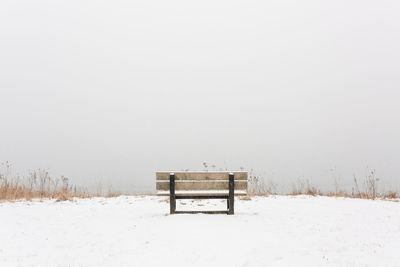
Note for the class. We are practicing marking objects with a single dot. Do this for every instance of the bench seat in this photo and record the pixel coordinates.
(202, 193)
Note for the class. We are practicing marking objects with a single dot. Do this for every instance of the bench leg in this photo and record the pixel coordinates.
(231, 200)
(172, 199)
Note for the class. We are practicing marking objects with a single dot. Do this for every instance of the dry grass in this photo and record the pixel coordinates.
(367, 190)
(391, 195)
(247, 198)
(303, 187)
(166, 200)
(39, 185)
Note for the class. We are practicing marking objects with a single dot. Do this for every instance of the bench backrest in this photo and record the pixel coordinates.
(204, 181)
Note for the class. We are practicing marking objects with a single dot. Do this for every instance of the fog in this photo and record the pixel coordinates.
(108, 92)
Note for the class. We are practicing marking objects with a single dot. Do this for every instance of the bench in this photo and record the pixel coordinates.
(201, 185)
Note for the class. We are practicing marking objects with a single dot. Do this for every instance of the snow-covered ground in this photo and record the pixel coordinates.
(137, 231)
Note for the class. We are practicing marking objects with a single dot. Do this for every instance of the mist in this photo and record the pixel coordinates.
(108, 92)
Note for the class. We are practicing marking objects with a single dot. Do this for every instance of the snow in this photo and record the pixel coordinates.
(137, 231)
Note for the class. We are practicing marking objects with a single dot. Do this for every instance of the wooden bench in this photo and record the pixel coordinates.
(201, 185)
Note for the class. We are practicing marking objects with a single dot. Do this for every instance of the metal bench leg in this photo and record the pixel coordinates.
(231, 200)
(172, 199)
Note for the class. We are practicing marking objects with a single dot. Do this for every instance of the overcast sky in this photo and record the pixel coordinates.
(111, 91)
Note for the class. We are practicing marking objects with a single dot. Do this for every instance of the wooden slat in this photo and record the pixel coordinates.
(201, 185)
(201, 175)
(201, 197)
(203, 193)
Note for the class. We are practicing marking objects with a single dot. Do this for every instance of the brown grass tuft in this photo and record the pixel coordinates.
(245, 198)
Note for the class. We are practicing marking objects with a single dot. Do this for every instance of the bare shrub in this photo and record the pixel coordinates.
(356, 189)
(371, 184)
(304, 187)
(258, 186)
(336, 179)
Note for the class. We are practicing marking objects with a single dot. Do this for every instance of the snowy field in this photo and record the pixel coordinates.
(137, 231)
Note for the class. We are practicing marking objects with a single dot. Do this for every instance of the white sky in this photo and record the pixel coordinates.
(111, 91)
